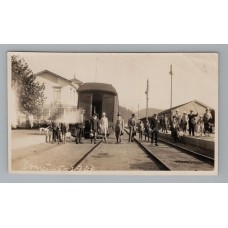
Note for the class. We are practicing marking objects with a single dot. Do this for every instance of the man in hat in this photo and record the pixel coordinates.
(104, 126)
(147, 130)
(132, 128)
(207, 118)
(80, 127)
(94, 125)
(200, 126)
(166, 123)
(119, 128)
(141, 129)
(191, 122)
(154, 127)
(184, 122)
(161, 121)
(63, 128)
(177, 116)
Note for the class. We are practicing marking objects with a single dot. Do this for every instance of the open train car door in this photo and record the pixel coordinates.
(85, 102)
(108, 108)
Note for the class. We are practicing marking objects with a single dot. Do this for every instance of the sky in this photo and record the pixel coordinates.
(195, 75)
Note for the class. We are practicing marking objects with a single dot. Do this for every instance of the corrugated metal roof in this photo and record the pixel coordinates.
(93, 86)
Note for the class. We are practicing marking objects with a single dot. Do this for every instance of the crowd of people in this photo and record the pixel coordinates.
(200, 126)
(193, 123)
(96, 127)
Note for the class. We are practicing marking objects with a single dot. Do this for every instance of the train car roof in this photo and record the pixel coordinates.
(94, 86)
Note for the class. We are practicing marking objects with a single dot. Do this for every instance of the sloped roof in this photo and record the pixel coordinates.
(58, 76)
(194, 101)
(94, 86)
(49, 72)
(75, 80)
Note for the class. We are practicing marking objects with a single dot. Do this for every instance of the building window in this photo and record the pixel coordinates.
(56, 93)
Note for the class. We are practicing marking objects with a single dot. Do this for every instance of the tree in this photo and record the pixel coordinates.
(56, 111)
(29, 92)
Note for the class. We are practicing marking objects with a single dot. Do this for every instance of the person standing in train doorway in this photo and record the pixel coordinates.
(94, 126)
(104, 126)
(119, 128)
(154, 127)
(80, 127)
(132, 128)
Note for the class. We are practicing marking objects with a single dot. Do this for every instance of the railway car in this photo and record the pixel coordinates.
(98, 98)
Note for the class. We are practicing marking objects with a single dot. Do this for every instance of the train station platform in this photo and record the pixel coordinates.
(204, 145)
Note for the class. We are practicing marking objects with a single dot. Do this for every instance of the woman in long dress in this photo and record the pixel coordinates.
(104, 126)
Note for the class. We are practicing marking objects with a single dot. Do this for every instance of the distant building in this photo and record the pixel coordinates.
(196, 106)
(61, 96)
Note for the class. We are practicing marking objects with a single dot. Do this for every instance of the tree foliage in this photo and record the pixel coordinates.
(56, 111)
(29, 92)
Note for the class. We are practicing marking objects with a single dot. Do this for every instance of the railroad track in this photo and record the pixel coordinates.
(85, 156)
(176, 160)
(199, 156)
(80, 165)
(160, 164)
(181, 149)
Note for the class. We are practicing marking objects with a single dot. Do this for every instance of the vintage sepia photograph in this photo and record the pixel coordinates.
(113, 113)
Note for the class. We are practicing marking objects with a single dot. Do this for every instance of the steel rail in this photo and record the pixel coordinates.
(158, 162)
(84, 156)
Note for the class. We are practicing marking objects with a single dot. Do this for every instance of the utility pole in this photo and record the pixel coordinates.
(147, 98)
(171, 97)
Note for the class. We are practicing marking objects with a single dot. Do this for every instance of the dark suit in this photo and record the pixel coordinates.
(80, 129)
(94, 125)
(132, 129)
(154, 127)
(191, 126)
(63, 131)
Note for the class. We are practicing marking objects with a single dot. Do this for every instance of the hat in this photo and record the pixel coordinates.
(177, 110)
(201, 116)
(185, 112)
(191, 110)
(118, 114)
(133, 115)
(207, 108)
(95, 114)
(155, 114)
